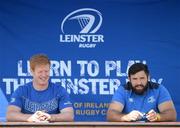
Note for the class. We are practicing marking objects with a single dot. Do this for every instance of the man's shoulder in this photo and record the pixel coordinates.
(159, 89)
(153, 85)
(123, 89)
(25, 86)
(56, 87)
(156, 86)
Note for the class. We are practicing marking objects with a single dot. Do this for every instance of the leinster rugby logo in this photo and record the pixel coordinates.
(81, 27)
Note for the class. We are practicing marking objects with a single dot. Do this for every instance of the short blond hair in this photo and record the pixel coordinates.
(39, 59)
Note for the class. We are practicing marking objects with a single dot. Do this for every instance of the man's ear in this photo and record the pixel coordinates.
(128, 85)
(31, 71)
(128, 78)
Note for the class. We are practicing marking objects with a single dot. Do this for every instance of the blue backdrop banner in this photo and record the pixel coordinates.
(91, 45)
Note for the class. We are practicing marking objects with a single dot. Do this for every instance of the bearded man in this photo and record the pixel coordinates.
(140, 99)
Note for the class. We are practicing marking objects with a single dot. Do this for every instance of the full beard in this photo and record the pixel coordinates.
(139, 91)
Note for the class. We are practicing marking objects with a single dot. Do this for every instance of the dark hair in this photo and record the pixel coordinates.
(137, 67)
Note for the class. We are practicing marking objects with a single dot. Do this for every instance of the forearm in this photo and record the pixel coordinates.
(17, 117)
(168, 115)
(67, 116)
(113, 115)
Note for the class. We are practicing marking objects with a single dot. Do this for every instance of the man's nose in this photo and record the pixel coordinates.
(44, 73)
(139, 82)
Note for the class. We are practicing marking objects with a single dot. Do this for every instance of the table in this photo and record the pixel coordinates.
(89, 124)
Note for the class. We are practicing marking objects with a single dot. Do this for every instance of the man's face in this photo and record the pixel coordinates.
(139, 82)
(41, 75)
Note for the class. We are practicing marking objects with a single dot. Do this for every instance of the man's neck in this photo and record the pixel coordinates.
(40, 87)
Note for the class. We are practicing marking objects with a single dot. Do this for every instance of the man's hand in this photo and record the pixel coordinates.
(39, 116)
(133, 116)
(152, 116)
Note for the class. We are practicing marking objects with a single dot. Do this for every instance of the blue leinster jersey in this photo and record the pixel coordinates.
(51, 100)
(143, 103)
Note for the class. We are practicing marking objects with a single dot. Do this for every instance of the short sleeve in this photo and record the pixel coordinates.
(119, 95)
(64, 100)
(163, 95)
(16, 98)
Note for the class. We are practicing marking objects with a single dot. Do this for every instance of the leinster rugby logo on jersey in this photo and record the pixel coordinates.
(80, 27)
